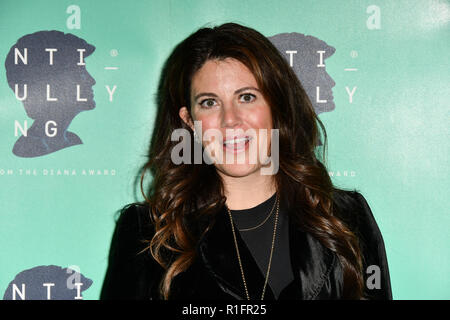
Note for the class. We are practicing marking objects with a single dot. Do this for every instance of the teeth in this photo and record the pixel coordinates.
(234, 141)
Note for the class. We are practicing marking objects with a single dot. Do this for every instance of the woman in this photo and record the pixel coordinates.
(215, 229)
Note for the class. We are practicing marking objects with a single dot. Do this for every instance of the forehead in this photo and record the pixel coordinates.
(222, 75)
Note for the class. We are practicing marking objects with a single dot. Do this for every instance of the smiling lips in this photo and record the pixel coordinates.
(236, 144)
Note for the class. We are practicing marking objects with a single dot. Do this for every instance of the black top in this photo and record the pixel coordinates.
(215, 275)
(259, 241)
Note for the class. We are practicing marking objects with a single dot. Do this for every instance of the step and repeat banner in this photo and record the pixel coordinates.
(77, 106)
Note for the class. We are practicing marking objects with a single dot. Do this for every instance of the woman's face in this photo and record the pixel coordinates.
(226, 99)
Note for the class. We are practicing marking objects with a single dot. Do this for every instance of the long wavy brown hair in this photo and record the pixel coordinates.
(180, 194)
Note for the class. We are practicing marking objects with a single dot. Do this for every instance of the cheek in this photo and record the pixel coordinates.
(260, 118)
(208, 121)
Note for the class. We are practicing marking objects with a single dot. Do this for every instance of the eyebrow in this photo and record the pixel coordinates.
(215, 95)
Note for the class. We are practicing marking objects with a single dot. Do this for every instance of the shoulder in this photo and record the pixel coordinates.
(354, 211)
(132, 232)
(352, 207)
(135, 217)
(131, 268)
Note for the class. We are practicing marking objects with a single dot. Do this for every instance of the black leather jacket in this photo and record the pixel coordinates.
(215, 274)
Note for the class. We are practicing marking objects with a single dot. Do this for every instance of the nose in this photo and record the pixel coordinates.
(330, 80)
(230, 116)
(91, 79)
(87, 78)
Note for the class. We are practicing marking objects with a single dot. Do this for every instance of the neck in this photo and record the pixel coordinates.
(249, 191)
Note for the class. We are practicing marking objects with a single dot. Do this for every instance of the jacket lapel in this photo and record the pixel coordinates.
(310, 262)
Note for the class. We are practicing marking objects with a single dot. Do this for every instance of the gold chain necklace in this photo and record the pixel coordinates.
(264, 221)
(271, 252)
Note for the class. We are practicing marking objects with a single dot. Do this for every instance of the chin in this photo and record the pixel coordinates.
(238, 170)
(90, 105)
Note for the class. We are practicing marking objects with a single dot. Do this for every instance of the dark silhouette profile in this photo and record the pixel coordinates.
(305, 64)
(47, 283)
(47, 72)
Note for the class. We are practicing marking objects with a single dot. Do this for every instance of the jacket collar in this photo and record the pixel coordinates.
(311, 262)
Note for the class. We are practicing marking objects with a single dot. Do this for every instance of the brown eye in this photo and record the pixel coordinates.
(207, 103)
(248, 97)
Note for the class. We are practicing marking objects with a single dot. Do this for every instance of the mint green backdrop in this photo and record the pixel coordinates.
(391, 142)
